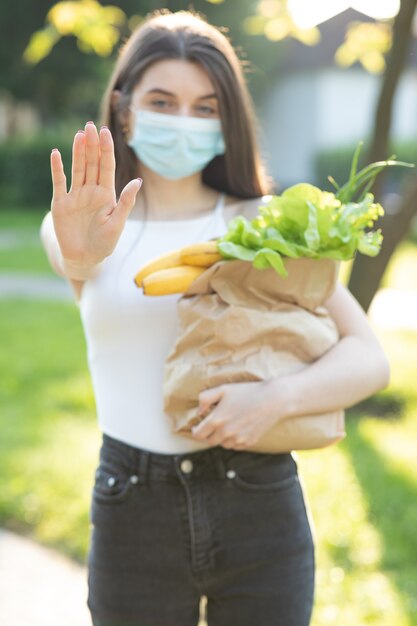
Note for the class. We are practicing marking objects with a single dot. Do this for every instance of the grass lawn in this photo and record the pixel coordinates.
(362, 493)
(22, 218)
(49, 432)
(20, 246)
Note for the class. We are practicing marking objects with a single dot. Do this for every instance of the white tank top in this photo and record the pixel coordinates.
(129, 335)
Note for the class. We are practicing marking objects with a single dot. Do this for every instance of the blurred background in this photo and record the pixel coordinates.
(323, 76)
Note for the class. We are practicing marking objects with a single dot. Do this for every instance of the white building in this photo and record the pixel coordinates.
(313, 104)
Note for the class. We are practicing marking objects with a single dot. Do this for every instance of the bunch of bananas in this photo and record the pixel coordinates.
(174, 272)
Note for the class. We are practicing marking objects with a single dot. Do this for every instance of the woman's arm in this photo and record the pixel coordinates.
(354, 369)
(75, 276)
(84, 224)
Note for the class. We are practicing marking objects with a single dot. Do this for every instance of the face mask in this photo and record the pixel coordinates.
(175, 146)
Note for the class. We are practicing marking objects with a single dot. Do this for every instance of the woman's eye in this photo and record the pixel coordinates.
(206, 110)
(159, 103)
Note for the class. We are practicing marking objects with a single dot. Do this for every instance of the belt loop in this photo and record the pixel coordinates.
(143, 466)
(219, 462)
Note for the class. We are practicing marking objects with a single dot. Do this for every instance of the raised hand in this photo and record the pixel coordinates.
(87, 220)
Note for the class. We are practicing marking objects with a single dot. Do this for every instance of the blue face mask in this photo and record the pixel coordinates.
(175, 146)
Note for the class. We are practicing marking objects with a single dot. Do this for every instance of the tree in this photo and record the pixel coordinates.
(63, 83)
(367, 273)
(62, 68)
(365, 42)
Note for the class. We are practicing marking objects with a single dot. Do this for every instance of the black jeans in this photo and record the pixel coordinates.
(168, 528)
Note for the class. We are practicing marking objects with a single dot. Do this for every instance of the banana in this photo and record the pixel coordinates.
(170, 280)
(201, 254)
(165, 261)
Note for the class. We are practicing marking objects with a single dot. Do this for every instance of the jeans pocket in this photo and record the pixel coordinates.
(265, 473)
(278, 485)
(112, 483)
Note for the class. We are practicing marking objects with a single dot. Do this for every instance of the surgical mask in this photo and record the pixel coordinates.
(175, 146)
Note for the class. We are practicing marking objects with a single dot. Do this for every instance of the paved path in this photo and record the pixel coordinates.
(39, 586)
(34, 286)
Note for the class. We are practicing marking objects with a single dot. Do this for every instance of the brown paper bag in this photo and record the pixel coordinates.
(240, 324)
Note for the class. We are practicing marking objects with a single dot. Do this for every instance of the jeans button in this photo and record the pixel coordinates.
(186, 466)
(134, 479)
(230, 473)
(111, 481)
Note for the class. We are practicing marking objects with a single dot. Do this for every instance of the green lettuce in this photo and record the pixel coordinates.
(305, 221)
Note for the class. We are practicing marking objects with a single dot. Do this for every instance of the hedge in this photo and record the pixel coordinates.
(25, 176)
(25, 173)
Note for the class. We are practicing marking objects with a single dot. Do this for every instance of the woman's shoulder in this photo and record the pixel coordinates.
(248, 207)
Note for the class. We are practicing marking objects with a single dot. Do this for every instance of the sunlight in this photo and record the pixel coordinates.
(307, 14)
(378, 9)
(351, 567)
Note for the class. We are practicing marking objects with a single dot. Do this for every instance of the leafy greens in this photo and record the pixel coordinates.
(305, 221)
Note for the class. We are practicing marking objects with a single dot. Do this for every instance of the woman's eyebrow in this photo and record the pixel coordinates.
(209, 95)
(169, 93)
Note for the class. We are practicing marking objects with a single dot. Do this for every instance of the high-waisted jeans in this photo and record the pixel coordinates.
(166, 529)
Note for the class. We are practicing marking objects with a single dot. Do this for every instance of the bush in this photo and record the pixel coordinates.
(25, 173)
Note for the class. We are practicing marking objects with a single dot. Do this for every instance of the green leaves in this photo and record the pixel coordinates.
(305, 221)
(269, 258)
(361, 182)
(235, 251)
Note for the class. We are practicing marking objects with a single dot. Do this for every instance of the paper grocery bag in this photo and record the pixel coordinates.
(241, 324)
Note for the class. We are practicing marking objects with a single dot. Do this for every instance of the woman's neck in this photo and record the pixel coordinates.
(165, 199)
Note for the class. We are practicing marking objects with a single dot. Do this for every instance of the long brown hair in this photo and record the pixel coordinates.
(187, 35)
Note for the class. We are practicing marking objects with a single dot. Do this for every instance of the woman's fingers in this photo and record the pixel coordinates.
(107, 160)
(78, 161)
(92, 154)
(127, 200)
(59, 181)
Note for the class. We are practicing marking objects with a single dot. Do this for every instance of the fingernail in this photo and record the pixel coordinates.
(81, 131)
(140, 180)
(103, 127)
(54, 150)
(89, 123)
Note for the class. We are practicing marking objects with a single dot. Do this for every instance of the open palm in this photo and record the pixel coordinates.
(87, 220)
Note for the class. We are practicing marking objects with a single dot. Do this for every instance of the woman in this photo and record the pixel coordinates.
(174, 518)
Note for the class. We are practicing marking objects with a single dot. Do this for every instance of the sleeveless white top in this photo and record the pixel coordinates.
(129, 335)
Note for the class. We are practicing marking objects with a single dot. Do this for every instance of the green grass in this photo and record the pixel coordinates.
(22, 217)
(27, 258)
(362, 493)
(49, 432)
(26, 254)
